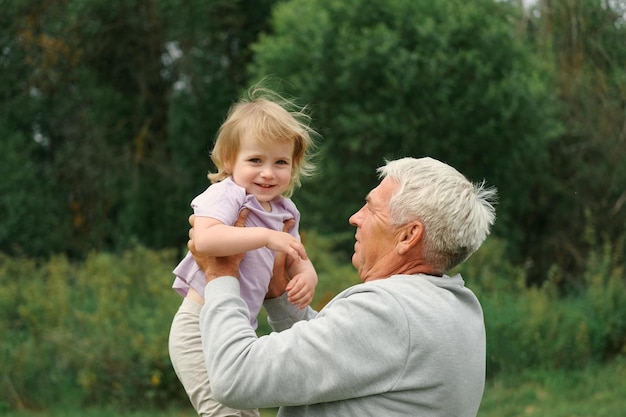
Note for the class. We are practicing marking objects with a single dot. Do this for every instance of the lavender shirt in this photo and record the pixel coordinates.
(223, 201)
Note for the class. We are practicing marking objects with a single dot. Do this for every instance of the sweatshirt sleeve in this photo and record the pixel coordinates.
(281, 314)
(352, 348)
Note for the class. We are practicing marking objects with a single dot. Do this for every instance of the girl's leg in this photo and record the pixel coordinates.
(185, 348)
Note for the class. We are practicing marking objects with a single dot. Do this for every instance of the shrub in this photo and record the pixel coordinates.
(538, 327)
(93, 332)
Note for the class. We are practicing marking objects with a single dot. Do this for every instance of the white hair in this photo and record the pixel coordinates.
(456, 213)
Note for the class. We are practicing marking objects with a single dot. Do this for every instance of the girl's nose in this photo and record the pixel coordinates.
(267, 172)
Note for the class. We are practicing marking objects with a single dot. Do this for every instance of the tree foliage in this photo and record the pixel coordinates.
(583, 42)
(108, 111)
(447, 79)
(94, 339)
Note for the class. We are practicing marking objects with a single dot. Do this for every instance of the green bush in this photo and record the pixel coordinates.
(539, 327)
(89, 333)
(95, 332)
(604, 303)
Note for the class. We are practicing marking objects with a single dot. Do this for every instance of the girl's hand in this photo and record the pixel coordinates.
(286, 243)
(301, 289)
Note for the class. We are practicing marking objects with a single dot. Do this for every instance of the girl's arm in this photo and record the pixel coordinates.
(214, 238)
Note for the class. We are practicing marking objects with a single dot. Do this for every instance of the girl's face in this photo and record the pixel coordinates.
(264, 171)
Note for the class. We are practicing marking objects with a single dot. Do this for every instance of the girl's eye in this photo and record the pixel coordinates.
(282, 162)
(255, 160)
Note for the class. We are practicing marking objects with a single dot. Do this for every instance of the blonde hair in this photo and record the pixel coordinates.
(271, 119)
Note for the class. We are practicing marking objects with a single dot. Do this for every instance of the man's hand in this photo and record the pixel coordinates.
(213, 266)
(279, 280)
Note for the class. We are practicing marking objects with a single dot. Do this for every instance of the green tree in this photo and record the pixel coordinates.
(79, 86)
(448, 79)
(110, 109)
(29, 204)
(208, 49)
(583, 41)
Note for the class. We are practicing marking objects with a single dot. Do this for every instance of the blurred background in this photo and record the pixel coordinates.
(109, 109)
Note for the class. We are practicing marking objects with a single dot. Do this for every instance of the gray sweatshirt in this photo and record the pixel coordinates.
(408, 345)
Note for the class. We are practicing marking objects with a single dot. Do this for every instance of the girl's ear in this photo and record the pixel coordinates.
(410, 237)
(227, 167)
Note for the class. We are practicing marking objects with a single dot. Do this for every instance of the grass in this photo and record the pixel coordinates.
(103, 412)
(598, 391)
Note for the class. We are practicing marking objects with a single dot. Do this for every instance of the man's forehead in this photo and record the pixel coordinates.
(383, 192)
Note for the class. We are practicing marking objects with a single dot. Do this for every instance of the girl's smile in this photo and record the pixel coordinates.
(263, 170)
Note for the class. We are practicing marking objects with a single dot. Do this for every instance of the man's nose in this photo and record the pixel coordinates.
(353, 220)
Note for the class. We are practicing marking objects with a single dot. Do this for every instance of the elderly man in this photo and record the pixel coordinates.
(408, 341)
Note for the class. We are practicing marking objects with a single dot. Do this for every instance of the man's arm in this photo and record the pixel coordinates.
(332, 357)
(279, 281)
(281, 314)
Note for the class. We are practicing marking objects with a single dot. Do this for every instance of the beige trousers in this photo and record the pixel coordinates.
(185, 347)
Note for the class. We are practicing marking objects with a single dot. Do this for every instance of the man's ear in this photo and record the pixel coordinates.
(410, 236)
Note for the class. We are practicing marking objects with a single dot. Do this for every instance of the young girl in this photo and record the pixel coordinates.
(261, 151)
